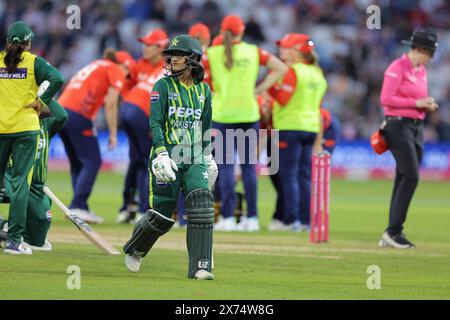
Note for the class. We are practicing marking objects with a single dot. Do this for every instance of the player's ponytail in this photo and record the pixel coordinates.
(13, 55)
(110, 54)
(310, 58)
(228, 43)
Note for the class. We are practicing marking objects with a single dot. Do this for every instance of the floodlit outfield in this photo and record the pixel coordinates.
(263, 265)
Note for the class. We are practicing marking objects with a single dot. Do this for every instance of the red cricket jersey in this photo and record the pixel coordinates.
(205, 65)
(282, 93)
(326, 118)
(265, 110)
(86, 90)
(143, 77)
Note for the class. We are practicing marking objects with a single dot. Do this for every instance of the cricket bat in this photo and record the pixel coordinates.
(81, 225)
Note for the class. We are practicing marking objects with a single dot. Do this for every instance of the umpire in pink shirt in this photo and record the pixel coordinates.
(405, 101)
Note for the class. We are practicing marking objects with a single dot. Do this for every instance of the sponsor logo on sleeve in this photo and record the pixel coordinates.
(154, 96)
(49, 215)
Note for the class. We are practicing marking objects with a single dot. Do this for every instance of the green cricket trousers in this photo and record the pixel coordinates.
(39, 214)
(21, 150)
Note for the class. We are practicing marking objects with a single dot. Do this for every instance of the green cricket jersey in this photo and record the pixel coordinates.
(45, 71)
(180, 115)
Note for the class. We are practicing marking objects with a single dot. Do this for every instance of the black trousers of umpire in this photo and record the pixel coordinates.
(404, 137)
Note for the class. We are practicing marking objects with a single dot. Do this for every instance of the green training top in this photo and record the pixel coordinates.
(45, 71)
(180, 115)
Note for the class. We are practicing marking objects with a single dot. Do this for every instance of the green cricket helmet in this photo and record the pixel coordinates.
(190, 47)
(186, 44)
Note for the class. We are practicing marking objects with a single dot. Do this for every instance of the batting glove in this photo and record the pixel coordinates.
(212, 169)
(163, 167)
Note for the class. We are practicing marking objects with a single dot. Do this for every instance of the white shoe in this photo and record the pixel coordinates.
(383, 244)
(87, 216)
(133, 262)
(46, 247)
(398, 242)
(253, 224)
(203, 275)
(297, 226)
(248, 224)
(275, 225)
(12, 247)
(123, 217)
(95, 218)
(228, 224)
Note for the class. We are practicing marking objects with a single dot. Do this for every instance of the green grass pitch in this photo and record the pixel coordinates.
(262, 265)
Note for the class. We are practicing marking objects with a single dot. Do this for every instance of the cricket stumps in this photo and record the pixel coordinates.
(320, 197)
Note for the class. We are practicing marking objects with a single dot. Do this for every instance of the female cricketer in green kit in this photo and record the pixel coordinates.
(180, 159)
(39, 215)
(21, 72)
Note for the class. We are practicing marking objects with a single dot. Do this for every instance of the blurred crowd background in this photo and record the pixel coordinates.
(352, 56)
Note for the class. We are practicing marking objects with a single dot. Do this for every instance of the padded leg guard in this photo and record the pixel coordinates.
(146, 232)
(200, 219)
